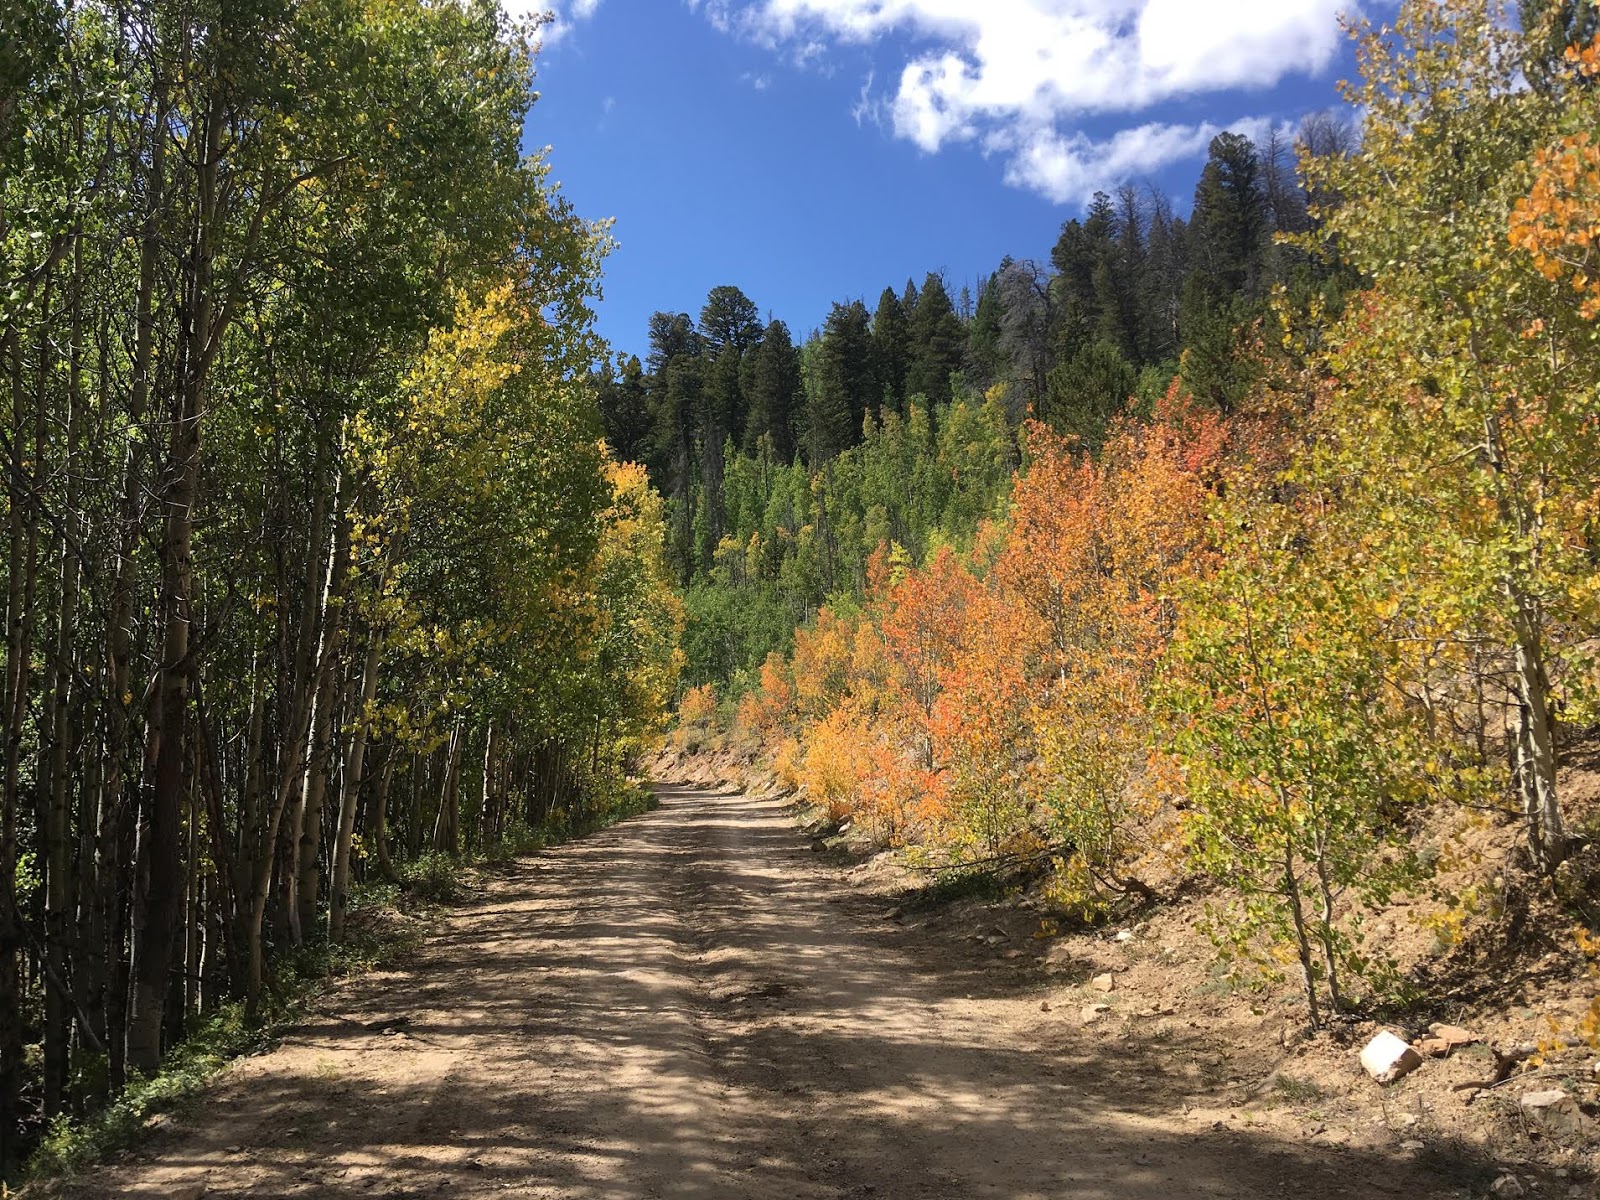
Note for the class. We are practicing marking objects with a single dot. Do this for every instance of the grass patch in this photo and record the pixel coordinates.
(1298, 1091)
(948, 887)
(70, 1146)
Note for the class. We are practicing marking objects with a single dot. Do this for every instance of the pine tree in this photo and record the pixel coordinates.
(843, 391)
(771, 381)
(891, 349)
(672, 335)
(625, 409)
(1119, 279)
(984, 365)
(937, 340)
(729, 318)
(1222, 294)
(1166, 266)
(1229, 230)
(1077, 257)
(1087, 391)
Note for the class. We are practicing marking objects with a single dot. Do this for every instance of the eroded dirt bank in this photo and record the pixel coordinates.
(693, 1005)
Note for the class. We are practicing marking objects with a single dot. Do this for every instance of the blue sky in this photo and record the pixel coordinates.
(815, 150)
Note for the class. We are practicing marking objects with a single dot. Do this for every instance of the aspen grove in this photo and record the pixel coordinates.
(1263, 639)
(311, 540)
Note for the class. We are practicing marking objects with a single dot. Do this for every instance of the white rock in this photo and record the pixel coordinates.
(1388, 1058)
(1507, 1185)
(1124, 935)
(1553, 1110)
(1106, 982)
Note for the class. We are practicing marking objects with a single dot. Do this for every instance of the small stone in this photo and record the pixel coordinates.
(1413, 1145)
(1453, 1035)
(1124, 935)
(1059, 954)
(1507, 1185)
(1106, 982)
(1093, 1012)
(1388, 1058)
(1554, 1111)
(1434, 1047)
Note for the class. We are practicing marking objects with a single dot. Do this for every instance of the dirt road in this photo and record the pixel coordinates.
(693, 1005)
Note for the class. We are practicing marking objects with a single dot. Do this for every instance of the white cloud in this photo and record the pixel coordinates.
(1073, 167)
(865, 108)
(1017, 76)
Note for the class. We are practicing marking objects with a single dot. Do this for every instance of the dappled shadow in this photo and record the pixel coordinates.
(679, 1007)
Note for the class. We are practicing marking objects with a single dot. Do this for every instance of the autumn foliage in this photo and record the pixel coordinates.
(993, 706)
(1273, 641)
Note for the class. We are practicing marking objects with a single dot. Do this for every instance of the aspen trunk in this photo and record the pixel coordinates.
(22, 572)
(350, 792)
(58, 845)
(445, 826)
(1536, 756)
(379, 829)
(309, 674)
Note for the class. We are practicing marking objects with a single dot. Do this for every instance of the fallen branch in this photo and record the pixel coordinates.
(1505, 1062)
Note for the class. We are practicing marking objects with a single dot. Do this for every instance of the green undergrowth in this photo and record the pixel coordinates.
(952, 886)
(387, 921)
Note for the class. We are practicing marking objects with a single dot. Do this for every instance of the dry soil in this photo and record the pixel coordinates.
(693, 1004)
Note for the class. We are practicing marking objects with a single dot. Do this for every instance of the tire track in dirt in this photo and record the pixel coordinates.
(689, 1005)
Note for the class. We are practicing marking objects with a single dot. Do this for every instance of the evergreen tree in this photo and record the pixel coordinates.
(1087, 391)
(839, 381)
(984, 365)
(678, 391)
(720, 414)
(1229, 230)
(1077, 257)
(937, 341)
(1166, 267)
(672, 335)
(891, 349)
(625, 409)
(842, 391)
(729, 318)
(1119, 279)
(771, 381)
(1228, 241)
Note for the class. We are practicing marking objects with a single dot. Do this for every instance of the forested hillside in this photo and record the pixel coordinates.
(315, 562)
(1261, 545)
(898, 426)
